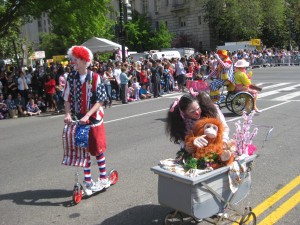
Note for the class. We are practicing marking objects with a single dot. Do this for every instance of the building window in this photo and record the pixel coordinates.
(155, 6)
(156, 25)
(145, 6)
(167, 2)
(200, 45)
(199, 20)
(182, 22)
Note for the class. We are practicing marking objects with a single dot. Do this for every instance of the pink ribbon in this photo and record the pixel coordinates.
(174, 105)
(194, 93)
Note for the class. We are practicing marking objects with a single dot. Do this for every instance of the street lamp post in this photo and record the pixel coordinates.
(122, 32)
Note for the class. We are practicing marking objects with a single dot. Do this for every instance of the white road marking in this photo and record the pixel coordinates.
(275, 85)
(137, 115)
(262, 110)
(290, 88)
(287, 97)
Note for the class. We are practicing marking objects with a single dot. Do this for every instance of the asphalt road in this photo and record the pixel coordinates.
(36, 189)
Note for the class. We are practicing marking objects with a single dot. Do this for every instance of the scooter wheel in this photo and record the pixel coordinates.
(113, 177)
(77, 194)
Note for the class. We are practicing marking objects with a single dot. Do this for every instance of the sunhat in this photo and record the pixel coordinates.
(241, 63)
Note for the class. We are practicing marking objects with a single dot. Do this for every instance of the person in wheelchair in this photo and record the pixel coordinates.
(243, 81)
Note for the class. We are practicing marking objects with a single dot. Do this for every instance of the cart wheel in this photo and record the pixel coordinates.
(174, 218)
(113, 177)
(77, 194)
(248, 218)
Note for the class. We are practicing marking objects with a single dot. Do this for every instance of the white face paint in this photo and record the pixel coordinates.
(210, 130)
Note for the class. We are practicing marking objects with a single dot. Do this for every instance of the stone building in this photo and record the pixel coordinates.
(31, 31)
(184, 18)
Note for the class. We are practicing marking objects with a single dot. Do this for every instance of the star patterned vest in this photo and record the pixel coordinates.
(82, 95)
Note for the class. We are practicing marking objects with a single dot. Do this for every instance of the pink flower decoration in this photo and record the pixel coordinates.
(251, 149)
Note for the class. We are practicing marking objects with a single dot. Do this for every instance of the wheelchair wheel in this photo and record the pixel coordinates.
(241, 102)
(228, 100)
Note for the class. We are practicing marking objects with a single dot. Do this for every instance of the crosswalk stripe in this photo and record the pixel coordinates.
(274, 86)
(277, 90)
(287, 97)
(290, 88)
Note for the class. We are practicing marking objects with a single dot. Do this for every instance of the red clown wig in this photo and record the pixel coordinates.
(80, 52)
(222, 53)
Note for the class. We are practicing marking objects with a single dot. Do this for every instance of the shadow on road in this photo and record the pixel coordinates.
(141, 215)
(39, 197)
(229, 114)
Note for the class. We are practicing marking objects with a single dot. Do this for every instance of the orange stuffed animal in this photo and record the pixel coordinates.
(212, 130)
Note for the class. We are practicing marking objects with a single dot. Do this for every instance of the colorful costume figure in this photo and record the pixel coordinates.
(84, 95)
(222, 75)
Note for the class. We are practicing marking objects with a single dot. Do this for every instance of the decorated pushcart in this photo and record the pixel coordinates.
(207, 196)
(211, 194)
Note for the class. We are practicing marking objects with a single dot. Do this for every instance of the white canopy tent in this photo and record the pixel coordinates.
(102, 45)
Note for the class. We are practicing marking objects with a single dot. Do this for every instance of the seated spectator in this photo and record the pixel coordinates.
(21, 106)
(32, 108)
(12, 108)
(144, 93)
(41, 103)
(130, 95)
(3, 108)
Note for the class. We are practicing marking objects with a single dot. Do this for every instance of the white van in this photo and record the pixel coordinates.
(167, 55)
(136, 56)
(183, 51)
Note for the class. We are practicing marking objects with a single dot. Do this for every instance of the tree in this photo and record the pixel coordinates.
(234, 20)
(13, 14)
(162, 38)
(138, 32)
(16, 13)
(52, 44)
(275, 30)
(75, 21)
(140, 37)
(292, 13)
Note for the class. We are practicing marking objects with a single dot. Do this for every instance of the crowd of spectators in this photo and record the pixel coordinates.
(28, 92)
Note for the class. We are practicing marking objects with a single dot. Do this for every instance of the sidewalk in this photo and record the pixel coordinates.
(114, 103)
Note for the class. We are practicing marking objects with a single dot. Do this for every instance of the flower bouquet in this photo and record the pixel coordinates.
(243, 136)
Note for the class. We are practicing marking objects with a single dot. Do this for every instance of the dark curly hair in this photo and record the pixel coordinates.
(175, 126)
